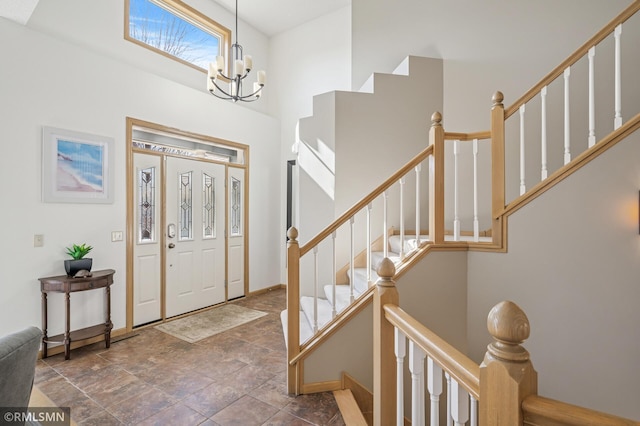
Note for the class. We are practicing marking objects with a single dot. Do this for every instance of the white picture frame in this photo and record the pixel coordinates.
(76, 167)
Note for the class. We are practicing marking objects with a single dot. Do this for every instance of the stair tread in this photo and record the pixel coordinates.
(410, 242)
(324, 310)
(351, 413)
(343, 295)
(306, 332)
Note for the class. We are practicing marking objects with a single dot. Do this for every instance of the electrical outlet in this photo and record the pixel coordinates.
(38, 240)
(116, 236)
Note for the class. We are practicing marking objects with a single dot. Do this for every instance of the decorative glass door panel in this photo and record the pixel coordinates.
(147, 251)
(236, 243)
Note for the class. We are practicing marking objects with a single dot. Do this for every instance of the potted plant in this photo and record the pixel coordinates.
(78, 262)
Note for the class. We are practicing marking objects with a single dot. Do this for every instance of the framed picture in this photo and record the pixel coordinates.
(76, 167)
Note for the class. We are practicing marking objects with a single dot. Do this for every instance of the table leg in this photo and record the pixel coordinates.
(108, 323)
(67, 332)
(44, 324)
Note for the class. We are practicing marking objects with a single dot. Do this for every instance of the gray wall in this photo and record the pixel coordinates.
(433, 292)
(572, 265)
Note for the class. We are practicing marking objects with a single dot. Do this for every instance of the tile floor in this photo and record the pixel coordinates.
(233, 378)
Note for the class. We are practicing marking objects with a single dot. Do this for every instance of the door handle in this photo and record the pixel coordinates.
(171, 245)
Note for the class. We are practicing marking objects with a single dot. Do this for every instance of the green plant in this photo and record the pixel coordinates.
(78, 252)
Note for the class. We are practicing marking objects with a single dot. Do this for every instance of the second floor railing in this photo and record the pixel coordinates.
(562, 115)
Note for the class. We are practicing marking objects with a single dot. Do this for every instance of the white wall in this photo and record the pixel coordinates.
(572, 266)
(99, 26)
(376, 134)
(305, 61)
(69, 84)
(484, 44)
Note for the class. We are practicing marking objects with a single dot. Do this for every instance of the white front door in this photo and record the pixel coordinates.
(195, 242)
(236, 231)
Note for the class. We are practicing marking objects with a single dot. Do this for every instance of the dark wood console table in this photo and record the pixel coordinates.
(68, 285)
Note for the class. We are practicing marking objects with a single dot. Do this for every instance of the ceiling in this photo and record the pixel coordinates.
(270, 17)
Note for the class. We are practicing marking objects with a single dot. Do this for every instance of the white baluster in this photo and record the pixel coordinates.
(474, 411)
(476, 225)
(543, 98)
(416, 366)
(333, 275)
(385, 226)
(400, 350)
(592, 98)
(456, 219)
(449, 421)
(352, 260)
(459, 404)
(617, 121)
(402, 179)
(423, 405)
(434, 385)
(315, 289)
(417, 169)
(523, 187)
(567, 118)
(369, 207)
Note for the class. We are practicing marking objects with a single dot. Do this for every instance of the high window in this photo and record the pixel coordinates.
(174, 29)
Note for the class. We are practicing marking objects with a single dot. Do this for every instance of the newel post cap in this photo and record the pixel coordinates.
(436, 119)
(386, 270)
(509, 326)
(292, 233)
(497, 98)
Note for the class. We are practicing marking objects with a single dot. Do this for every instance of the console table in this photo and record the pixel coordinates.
(68, 285)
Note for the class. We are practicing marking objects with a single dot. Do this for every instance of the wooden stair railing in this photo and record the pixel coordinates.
(295, 253)
(433, 158)
(502, 391)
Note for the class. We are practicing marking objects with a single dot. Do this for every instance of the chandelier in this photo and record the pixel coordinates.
(230, 87)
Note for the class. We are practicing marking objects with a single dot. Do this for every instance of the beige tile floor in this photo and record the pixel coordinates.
(233, 378)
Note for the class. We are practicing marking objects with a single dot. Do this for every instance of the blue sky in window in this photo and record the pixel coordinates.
(157, 27)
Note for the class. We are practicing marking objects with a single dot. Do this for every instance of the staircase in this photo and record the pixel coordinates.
(335, 299)
(342, 293)
(320, 301)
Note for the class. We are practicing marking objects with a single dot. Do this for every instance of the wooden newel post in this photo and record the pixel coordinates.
(384, 359)
(507, 376)
(293, 309)
(497, 167)
(436, 180)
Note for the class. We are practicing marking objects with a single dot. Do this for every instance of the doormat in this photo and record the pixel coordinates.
(208, 323)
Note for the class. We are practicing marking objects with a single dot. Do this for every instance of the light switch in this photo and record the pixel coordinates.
(38, 240)
(116, 236)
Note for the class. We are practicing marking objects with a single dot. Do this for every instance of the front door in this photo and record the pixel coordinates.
(187, 226)
(195, 240)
